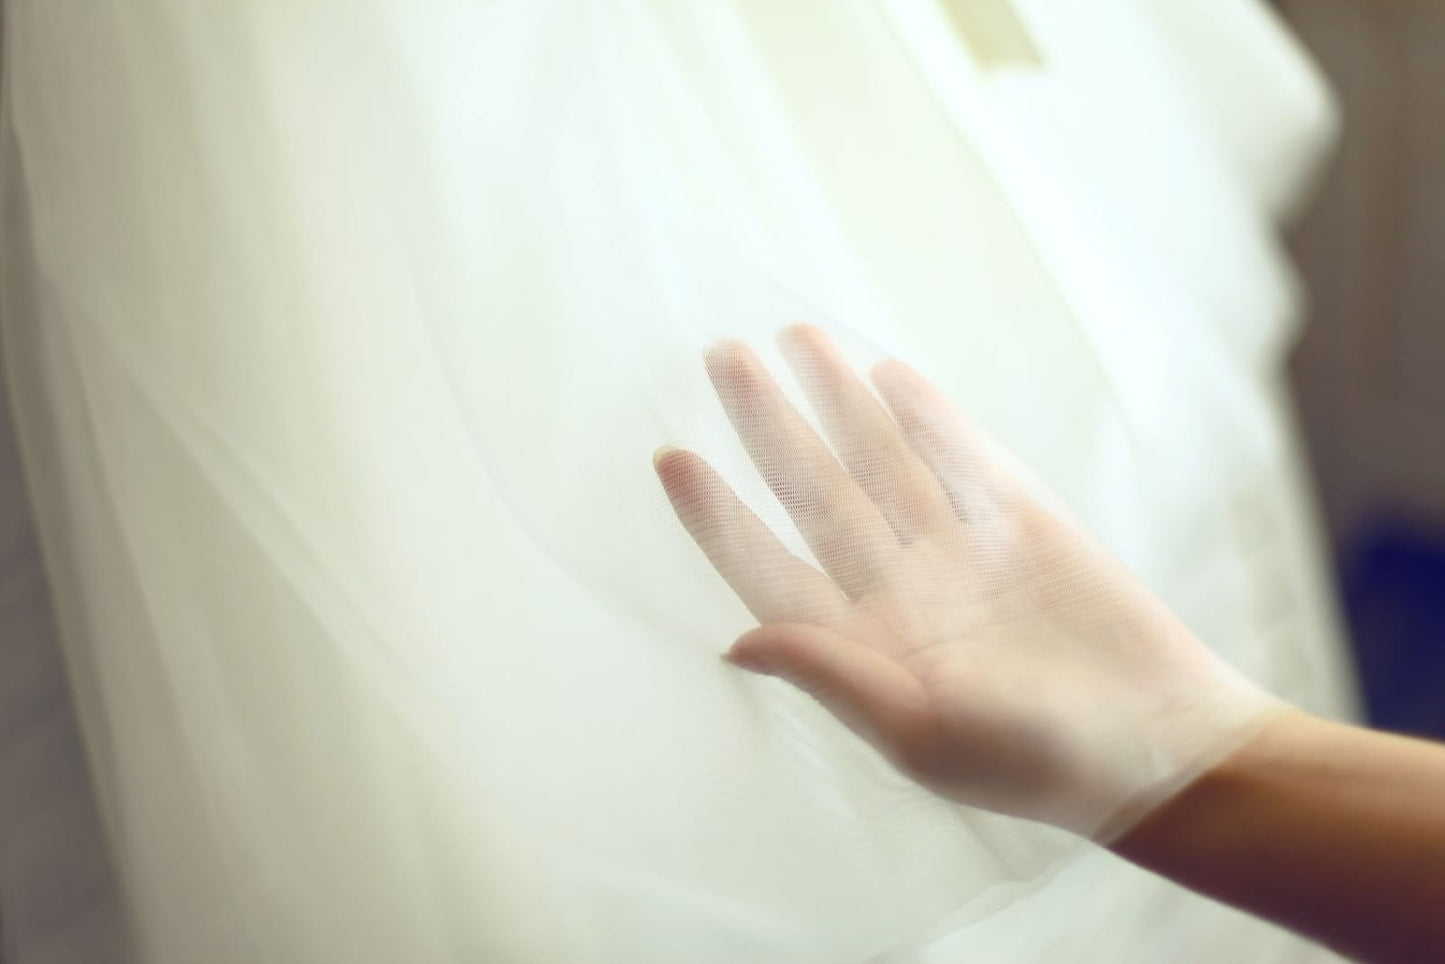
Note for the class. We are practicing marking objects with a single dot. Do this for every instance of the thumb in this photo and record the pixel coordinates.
(873, 695)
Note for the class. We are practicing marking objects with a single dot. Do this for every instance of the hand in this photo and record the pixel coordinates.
(984, 644)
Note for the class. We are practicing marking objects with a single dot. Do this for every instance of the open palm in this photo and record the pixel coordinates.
(986, 645)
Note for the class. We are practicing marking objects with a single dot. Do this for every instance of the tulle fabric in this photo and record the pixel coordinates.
(341, 335)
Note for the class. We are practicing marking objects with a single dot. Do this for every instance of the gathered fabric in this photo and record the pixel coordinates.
(341, 336)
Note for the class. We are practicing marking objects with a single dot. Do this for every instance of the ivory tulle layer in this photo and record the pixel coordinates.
(341, 335)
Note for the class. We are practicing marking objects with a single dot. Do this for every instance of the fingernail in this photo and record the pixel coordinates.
(748, 660)
(725, 356)
(798, 334)
(663, 453)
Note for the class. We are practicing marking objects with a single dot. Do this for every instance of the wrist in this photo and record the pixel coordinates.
(1206, 807)
(1328, 829)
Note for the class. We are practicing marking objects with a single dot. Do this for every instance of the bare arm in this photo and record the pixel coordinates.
(1330, 830)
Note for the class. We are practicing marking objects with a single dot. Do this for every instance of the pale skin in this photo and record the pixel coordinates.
(991, 650)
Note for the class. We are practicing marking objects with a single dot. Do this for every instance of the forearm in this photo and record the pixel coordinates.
(1333, 831)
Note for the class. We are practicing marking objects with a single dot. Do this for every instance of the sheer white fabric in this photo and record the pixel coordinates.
(341, 335)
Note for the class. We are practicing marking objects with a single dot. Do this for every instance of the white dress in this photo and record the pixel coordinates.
(341, 333)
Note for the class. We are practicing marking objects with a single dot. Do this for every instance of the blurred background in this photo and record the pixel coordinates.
(1369, 371)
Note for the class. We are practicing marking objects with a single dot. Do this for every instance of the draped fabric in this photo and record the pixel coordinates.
(341, 333)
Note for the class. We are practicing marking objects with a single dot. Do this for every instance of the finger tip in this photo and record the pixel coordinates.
(804, 338)
(735, 371)
(674, 467)
(886, 370)
(747, 657)
(798, 331)
(723, 353)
